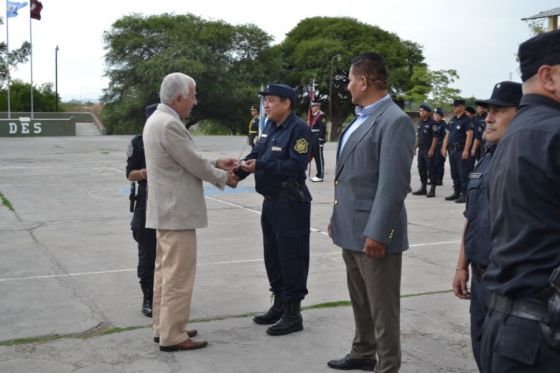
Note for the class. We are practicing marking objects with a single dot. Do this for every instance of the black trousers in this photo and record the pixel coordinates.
(251, 139)
(146, 239)
(460, 169)
(440, 164)
(514, 345)
(285, 225)
(317, 153)
(480, 299)
(426, 167)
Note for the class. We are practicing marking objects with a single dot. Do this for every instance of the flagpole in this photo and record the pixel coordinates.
(31, 60)
(8, 59)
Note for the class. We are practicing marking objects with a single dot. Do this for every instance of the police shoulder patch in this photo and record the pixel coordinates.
(301, 146)
(130, 150)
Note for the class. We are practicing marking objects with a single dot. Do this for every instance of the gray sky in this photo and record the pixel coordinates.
(477, 38)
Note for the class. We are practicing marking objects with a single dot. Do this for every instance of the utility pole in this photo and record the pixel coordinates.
(56, 78)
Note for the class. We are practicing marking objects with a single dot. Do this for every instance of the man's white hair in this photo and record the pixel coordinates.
(173, 85)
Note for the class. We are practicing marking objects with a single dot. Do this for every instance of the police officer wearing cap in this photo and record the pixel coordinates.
(440, 159)
(458, 142)
(318, 130)
(522, 330)
(279, 160)
(475, 245)
(253, 126)
(479, 120)
(145, 237)
(426, 142)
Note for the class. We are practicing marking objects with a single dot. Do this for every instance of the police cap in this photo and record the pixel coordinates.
(504, 94)
(280, 90)
(541, 50)
(439, 111)
(458, 102)
(150, 109)
(470, 110)
(426, 107)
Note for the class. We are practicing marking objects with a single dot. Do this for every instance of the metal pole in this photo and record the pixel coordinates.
(8, 65)
(31, 61)
(56, 78)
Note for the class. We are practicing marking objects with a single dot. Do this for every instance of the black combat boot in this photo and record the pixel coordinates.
(420, 192)
(432, 192)
(291, 320)
(453, 197)
(273, 314)
(461, 199)
(148, 299)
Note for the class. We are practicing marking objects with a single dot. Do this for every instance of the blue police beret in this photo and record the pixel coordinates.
(280, 90)
(439, 111)
(504, 94)
(470, 110)
(541, 50)
(458, 102)
(426, 107)
(150, 109)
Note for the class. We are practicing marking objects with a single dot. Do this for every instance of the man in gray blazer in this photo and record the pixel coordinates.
(176, 208)
(372, 179)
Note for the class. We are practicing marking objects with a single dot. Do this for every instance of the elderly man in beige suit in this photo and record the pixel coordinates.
(176, 208)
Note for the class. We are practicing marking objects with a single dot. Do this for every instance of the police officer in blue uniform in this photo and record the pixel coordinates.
(476, 245)
(522, 330)
(458, 142)
(318, 130)
(253, 130)
(145, 237)
(427, 138)
(479, 120)
(279, 160)
(440, 159)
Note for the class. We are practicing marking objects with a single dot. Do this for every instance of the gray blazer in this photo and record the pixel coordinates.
(175, 174)
(372, 180)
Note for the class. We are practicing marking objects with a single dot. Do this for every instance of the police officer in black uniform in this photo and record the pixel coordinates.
(426, 142)
(318, 129)
(459, 141)
(145, 237)
(479, 120)
(522, 330)
(476, 245)
(440, 159)
(279, 161)
(253, 126)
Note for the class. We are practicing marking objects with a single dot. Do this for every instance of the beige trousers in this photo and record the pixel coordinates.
(175, 269)
(375, 288)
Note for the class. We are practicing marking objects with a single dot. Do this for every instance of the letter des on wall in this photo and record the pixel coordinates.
(27, 127)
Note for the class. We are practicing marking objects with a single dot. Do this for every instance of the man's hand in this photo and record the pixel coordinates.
(228, 164)
(329, 230)
(374, 249)
(232, 180)
(465, 155)
(473, 153)
(444, 152)
(431, 153)
(249, 165)
(460, 280)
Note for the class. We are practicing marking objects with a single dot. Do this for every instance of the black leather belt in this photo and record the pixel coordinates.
(457, 146)
(477, 271)
(525, 308)
(282, 194)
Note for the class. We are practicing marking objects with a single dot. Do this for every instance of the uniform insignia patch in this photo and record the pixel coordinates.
(458, 126)
(435, 127)
(301, 146)
(130, 150)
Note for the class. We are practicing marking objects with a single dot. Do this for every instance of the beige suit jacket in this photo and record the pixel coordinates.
(175, 174)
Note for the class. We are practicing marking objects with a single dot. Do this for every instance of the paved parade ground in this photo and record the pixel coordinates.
(70, 300)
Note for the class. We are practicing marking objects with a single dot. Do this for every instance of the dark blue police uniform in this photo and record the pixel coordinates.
(426, 131)
(479, 127)
(440, 159)
(460, 168)
(521, 334)
(477, 245)
(145, 237)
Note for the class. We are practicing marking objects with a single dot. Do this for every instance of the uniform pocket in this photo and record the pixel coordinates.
(519, 340)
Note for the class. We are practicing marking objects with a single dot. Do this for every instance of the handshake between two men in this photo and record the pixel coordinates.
(233, 166)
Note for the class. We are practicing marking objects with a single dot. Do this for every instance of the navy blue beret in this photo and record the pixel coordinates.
(458, 102)
(439, 111)
(426, 107)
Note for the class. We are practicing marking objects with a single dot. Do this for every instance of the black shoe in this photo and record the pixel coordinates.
(273, 314)
(439, 183)
(420, 192)
(452, 197)
(147, 307)
(290, 322)
(432, 192)
(349, 363)
(461, 199)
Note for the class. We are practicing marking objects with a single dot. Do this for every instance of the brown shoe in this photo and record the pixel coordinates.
(187, 344)
(190, 333)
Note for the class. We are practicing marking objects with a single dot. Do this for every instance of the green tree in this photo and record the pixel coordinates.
(9, 60)
(44, 97)
(229, 64)
(421, 85)
(317, 45)
(442, 95)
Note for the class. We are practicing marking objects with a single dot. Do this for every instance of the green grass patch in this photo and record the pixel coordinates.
(6, 202)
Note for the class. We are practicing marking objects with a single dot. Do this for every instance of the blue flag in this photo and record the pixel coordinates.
(12, 8)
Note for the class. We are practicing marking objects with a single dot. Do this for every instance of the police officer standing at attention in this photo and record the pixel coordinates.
(476, 245)
(318, 129)
(459, 141)
(479, 120)
(426, 143)
(279, 161)
(440, 159)
(145, 237)
(522, 330)
(253, 126)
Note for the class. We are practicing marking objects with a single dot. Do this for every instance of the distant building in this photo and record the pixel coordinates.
(552, 16)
